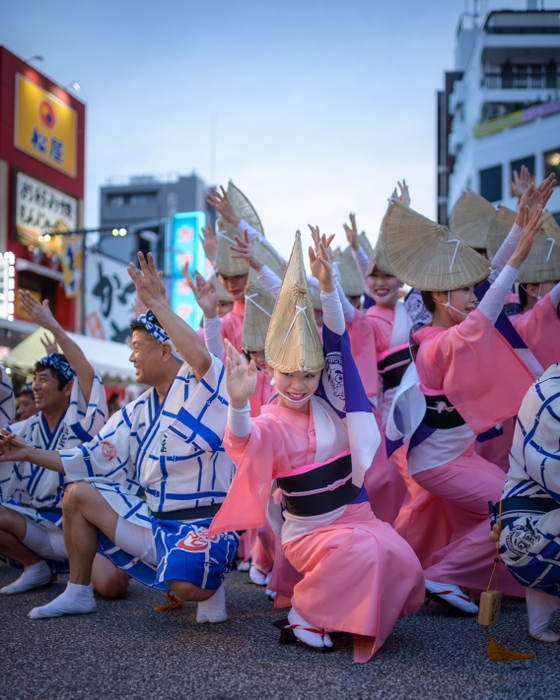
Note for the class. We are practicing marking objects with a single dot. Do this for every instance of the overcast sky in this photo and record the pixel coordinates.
(320, 106)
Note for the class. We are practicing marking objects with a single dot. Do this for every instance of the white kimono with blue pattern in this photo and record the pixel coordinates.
(28, 488)
(173, 451)
(530, 544)
(7, 400)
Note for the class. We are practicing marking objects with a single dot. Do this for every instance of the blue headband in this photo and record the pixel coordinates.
(148, 321)
(55, 361)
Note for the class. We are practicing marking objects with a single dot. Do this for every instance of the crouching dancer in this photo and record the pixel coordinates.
(169, 442)
(313, 445)
(530, 507)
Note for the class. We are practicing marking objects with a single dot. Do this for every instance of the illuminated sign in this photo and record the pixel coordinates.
(41, 209)
(45, 126)
(184, 247)
(7, 285)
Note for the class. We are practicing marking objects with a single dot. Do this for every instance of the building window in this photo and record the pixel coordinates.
(516, 165)
(116, 200)
(137, 200)
(552, 164)
(491, 183)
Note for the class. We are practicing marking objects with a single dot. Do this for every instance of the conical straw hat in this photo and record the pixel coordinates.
(350, 278)
(366, 245)
(470, 219)
(225, 263)
(259, 305)
(222, 294)
(428, 256)
(550, 226)
(270, 257)
(293, 341)
(243, 207)
(378, 260)
(543, 262)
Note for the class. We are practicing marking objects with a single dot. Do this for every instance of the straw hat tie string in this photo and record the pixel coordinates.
(299, 310)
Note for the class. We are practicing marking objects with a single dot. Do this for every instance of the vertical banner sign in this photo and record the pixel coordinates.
(184, 247)
(45, 126)
(72, 265)
(108, 296)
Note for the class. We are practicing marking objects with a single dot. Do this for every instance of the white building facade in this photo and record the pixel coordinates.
(500, 108)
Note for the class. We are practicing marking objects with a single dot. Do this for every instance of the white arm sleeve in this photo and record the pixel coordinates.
(555, 295)
(333, 317)
(493, 301)
(269, 280)
(239, 420)
(252, 233)
(347, 309)
(213, 337)
(506, 250)
(361, 260)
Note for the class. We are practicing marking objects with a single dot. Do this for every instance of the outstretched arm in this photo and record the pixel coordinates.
(14, 449)
(42, 315)
(151, 291)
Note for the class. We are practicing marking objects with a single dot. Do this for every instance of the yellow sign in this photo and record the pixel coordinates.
(45, 126)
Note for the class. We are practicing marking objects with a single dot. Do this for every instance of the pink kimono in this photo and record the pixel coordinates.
(232, 324)
(540, 330)
(472, 376)
(347, 549)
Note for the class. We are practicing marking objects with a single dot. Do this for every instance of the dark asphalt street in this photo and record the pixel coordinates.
(128, 651)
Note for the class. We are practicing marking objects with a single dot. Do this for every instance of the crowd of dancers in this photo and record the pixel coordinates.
(335, 435)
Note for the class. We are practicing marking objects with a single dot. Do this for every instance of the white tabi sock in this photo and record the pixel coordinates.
(76, 599)
(258, 576)
(303, 630)
(33, 576)
(213, 609)
(540, 606)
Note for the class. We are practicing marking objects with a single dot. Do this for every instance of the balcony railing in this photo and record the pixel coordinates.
(521, 81)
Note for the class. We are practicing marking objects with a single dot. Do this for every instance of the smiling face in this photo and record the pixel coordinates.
(147, 354)
(235, 285)
(296, 388)
(384, 288)
(47, 394)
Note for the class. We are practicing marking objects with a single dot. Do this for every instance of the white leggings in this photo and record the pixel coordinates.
(45, 543)
(136, 540)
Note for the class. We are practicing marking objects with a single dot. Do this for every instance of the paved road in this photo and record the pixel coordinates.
(126, 650)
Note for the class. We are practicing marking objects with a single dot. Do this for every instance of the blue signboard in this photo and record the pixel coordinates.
(183, 246)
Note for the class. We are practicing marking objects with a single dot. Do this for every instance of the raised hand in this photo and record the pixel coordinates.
(244, 249)
(404, 196)
(40, 313)
(545, 189)
(531, 225)
(223, 205)
(209, 242)
(205, 294)
(240, 379)
(147, 280)
(520, 183)
(138, 307)
(321, 264)
(352, 232)
(49, 345)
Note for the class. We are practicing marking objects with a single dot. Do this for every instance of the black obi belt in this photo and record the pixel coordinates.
(392, 367)
(441, 413)
(335, 477)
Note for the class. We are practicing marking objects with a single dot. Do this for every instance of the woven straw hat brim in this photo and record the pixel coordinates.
(426, 255)
(500, 226)
(365, 243)
(543, 262)
(270, 257)
(225, 263)
(244, 208)
(550, 226)
(350, 278)
(378, 261)
(259, 305)
(470, 219)
(222, 294)
(293, 341)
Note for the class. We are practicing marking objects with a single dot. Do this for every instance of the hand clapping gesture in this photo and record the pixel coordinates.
(240, 379)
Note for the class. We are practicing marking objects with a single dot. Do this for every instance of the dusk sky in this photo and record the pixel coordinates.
(320, 106)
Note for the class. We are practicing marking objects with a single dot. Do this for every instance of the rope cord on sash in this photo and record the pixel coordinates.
(496, 651)
(300, 309)
(250, 297)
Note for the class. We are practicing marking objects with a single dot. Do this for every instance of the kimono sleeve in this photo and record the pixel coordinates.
(13, 475)
(540, 329)
(198, 410)
(86, 421)
(7, 400)
(106, 458)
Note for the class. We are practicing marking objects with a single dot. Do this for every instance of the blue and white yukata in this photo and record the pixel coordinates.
(174, 452)
(7, 400)
(530, 539)
(36, 492)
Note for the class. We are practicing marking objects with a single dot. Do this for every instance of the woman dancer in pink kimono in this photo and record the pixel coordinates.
(306, 450)
(470, 380)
